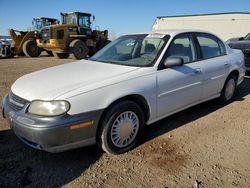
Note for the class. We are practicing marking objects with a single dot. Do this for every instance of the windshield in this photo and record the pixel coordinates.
(70, 19)
(38, 24)
(133, 50)
(84, 21)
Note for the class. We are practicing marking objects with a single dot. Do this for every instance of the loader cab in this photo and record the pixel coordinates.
(40, 22)
(80, 19)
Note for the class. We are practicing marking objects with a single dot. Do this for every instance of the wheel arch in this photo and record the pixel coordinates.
(232, 72)
(235, 72)
(136, 98)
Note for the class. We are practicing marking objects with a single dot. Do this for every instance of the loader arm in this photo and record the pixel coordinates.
(19, 39)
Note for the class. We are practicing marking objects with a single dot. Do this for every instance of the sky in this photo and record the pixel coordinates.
(119, 17)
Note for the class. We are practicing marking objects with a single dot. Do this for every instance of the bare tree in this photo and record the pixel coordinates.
(112, 35)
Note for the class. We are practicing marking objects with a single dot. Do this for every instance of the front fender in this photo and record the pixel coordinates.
(102, 97)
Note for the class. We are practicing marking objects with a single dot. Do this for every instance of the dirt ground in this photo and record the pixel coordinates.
(205, 146)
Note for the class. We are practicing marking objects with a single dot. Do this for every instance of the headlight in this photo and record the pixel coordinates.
(48, 108)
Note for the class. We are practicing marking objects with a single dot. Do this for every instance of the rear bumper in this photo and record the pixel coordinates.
(242, 72)
(53, 134)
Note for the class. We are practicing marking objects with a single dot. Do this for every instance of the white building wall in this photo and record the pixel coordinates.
(225, 25)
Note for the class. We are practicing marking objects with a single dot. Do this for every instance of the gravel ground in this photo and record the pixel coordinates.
(204, 146)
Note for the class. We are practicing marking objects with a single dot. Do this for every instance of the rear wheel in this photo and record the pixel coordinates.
(102, 43)
(121, 127)
(31, 49)
(79, 49)
(61, 55)
(229, 89)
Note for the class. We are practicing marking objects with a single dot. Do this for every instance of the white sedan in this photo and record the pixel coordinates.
(135, 80)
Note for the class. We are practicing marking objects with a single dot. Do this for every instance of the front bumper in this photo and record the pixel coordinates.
(56, 45)
(52, 134)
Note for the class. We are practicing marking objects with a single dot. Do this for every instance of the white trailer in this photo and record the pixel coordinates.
(225, 25)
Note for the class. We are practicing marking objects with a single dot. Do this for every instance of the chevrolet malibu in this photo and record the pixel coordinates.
(134, 81)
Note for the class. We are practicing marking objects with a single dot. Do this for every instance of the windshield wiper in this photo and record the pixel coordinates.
(104, 61)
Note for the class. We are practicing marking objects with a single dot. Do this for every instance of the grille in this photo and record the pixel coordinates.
(45, 34)
(60, 34)
(16, 103)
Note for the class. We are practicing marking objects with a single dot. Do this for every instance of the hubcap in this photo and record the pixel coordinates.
(124, 129)
(80, 50)
(33, 48)
(230, 87)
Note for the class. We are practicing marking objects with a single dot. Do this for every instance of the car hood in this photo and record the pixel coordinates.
(240, 45)
(48, 84)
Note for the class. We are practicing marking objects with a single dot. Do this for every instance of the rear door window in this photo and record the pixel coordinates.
(210, 46)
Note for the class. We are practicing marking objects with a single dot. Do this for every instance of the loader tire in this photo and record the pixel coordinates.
(101, 44)
(31, 49)
(61, 55)
(79, 49)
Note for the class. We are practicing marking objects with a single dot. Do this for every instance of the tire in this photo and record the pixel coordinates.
(6, 52)
(110, 138)
(79, 49)
(91, 51)
(229, 89)
(102, 43)
(31, 49)
(61, 55)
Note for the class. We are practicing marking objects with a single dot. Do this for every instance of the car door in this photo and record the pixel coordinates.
(179, 86)
(216, 64)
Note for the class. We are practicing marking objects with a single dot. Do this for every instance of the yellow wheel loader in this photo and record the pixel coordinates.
(24, 42)
(74, 36)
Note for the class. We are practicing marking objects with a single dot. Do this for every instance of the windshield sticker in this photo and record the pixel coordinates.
(156, 35)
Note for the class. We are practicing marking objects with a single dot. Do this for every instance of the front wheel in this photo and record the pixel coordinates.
(31, 49)
(121, 128)
(229, 89)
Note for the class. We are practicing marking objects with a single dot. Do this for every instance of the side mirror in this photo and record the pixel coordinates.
(93, 18)
(241, 38)
(173, 62)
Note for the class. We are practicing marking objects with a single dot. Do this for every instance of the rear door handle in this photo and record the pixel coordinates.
(226, 63)
(197, 71)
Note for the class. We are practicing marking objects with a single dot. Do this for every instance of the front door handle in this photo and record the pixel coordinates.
(226, 63)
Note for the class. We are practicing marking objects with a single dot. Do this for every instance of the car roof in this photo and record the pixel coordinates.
(175, 32)
(172, 32)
